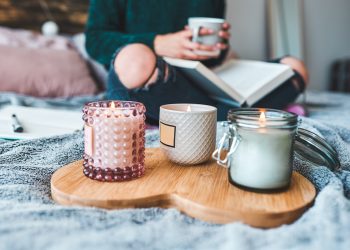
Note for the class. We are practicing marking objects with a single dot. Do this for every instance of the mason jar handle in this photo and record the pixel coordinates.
(231, 135)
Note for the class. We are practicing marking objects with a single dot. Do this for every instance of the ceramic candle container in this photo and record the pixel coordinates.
(261, 148)
(114, 140)
(187, 132)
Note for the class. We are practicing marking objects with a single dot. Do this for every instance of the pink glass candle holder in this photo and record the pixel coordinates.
(114, 140)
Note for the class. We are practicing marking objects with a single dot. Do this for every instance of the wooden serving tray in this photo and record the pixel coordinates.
(202, 191)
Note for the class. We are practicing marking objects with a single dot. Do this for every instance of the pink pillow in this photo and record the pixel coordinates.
(44, 72)
(31, 39)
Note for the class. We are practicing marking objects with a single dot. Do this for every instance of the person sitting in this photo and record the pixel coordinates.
(131, 37)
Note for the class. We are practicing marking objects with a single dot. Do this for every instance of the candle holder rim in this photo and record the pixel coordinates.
(166, 108)
(239, 113)
(91, 105)
(241, 117)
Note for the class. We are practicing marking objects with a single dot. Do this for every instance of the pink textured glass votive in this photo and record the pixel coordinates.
(114, 140)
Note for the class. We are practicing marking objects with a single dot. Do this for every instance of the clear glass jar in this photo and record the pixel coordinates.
(261, 151)
(114, 140)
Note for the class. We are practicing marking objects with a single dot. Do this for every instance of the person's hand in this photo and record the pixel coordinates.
(179, 45)
(225, 35)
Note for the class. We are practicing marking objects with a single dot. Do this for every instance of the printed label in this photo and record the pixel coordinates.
(88, 140)
(167, 134)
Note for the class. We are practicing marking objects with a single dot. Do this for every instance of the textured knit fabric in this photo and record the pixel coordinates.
(29, 219)
(114, 23)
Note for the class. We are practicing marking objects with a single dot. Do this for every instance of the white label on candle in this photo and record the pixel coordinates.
(88, 140)
(167, 134)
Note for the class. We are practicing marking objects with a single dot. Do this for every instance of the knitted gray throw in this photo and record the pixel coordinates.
(29, 219)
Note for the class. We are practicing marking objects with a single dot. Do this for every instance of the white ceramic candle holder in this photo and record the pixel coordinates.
(188, 132)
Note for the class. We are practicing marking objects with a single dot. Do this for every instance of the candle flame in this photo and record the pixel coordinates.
(189, 108)
(262, 119)
(112, 105)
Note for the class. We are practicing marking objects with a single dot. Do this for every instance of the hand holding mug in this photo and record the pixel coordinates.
(225, 34)
(179, 45)
(202, 39)
(210, 31)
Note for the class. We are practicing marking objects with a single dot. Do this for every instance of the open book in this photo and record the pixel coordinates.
(237, 82)
(38, 122)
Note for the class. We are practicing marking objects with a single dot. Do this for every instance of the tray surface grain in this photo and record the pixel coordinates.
(201, 191)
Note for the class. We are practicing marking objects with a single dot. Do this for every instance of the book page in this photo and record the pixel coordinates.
(39, 122)
(207, 80)
(249, 77)
(242, 81)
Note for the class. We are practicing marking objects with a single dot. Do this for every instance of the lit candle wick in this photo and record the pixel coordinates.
(189, 108)
(262, 119)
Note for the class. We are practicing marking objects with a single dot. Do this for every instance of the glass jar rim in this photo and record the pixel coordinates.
(182, 108)
(314, 149)
(250, 118)
(129, 105)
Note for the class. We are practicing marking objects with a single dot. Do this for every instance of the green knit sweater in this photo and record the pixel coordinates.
(114, 23)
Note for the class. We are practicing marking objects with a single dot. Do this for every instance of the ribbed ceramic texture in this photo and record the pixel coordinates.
(195, 136)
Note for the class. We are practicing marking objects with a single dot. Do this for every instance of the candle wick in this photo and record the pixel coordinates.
(262, 119)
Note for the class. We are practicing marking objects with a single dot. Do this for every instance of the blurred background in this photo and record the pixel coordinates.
(31, 14)
(316, 31)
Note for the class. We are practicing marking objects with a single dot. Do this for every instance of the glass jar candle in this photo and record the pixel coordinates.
(261, 148)
(114, 140)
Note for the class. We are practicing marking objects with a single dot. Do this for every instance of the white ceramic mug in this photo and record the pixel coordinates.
(215, 24)
(188, 132)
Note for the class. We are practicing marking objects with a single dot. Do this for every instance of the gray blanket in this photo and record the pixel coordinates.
(29, 219)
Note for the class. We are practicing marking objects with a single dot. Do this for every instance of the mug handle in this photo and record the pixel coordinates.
(233, 136)
(195, 34)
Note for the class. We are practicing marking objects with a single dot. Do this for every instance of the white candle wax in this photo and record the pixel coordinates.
(261, 148)
(263, 158)
(114, 138)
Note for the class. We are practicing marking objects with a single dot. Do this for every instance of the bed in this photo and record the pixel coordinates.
(29, 218)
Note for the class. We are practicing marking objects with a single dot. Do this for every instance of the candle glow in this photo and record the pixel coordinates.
(262, 119)
(189, 108)
(266, 149)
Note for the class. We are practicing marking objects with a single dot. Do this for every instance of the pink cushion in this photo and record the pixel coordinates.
(31, 39)
(44, 72)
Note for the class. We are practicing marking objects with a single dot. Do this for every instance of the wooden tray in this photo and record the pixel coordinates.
(201, 191)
